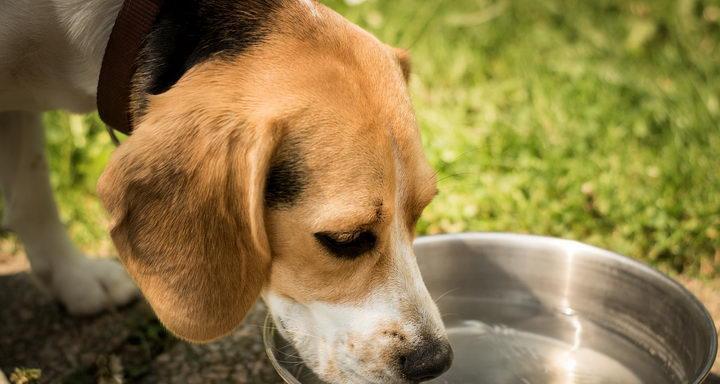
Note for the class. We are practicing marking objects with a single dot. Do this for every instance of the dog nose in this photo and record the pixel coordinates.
(428, 361)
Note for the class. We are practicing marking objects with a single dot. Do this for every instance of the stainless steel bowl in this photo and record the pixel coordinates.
(528, 309)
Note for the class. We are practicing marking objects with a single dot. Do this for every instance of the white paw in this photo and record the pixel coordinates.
(88, 287)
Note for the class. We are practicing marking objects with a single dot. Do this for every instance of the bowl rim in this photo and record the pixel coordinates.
(268, 334)
(707, 320)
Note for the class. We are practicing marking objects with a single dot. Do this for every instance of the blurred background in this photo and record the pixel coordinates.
(592, 120)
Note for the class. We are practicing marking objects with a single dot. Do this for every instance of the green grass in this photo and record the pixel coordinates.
(592, 120)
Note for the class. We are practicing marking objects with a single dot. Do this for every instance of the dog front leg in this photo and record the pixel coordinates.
(84, 286)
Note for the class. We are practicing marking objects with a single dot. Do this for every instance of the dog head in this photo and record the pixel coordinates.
(293, 170)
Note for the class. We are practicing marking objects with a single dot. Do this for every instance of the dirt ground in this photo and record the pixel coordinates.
(129, 345)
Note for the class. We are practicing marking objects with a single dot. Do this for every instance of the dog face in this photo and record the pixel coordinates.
(344, 285)
(293, 171)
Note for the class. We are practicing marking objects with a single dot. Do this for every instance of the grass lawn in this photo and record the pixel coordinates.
(592, 120)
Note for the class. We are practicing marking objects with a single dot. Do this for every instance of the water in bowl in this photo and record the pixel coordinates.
(505, 343)
(527, 358)
(500, 342)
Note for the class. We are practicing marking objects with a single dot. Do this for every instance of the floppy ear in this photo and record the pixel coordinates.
(403, 58)
(185, 196)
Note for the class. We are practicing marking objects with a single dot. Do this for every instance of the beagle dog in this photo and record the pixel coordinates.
(274, 154)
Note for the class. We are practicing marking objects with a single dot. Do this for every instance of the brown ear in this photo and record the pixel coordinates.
(403, 58)
(185, 195)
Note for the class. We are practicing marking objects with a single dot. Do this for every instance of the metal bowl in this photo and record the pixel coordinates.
(528, 309)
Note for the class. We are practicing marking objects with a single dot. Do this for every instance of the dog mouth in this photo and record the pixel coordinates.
(363, 344)
(341, 367)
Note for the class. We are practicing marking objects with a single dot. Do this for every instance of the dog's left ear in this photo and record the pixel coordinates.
(186, 197)
(403, 58)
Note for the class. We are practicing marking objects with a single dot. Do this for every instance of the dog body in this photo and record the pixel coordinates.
(50, 56)
(274, 153)
(51, 52)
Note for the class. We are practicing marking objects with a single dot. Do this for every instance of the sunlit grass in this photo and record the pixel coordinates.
(597, 121)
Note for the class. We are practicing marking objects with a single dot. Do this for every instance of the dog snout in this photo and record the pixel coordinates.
(428, 361)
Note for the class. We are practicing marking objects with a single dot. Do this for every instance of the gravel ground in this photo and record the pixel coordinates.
(129, 343)
(36, 333)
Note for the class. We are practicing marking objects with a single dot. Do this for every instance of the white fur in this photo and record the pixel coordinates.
(50, 57)
(51, 52)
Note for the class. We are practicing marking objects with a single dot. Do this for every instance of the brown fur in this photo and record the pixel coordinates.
(185, 192)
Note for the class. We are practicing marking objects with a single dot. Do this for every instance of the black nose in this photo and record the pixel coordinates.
(428, 361)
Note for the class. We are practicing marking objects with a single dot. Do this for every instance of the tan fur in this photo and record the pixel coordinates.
(185, 191)
(357, 130)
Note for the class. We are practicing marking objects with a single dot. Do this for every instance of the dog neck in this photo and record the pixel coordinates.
(189, 32)
(185, 33)
(51, 58)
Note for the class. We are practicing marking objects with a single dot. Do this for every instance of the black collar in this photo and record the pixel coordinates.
(133, 23)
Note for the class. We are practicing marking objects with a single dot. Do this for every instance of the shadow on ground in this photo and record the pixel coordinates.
(129, 342)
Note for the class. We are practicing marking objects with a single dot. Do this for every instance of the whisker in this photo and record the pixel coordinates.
(290, 331)
(449, 291)
(456, 174)
(293, 362)
(445, 314)
(299, 333)
(292, 358)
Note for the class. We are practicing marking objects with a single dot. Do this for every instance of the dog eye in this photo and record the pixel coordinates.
(347, 245)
